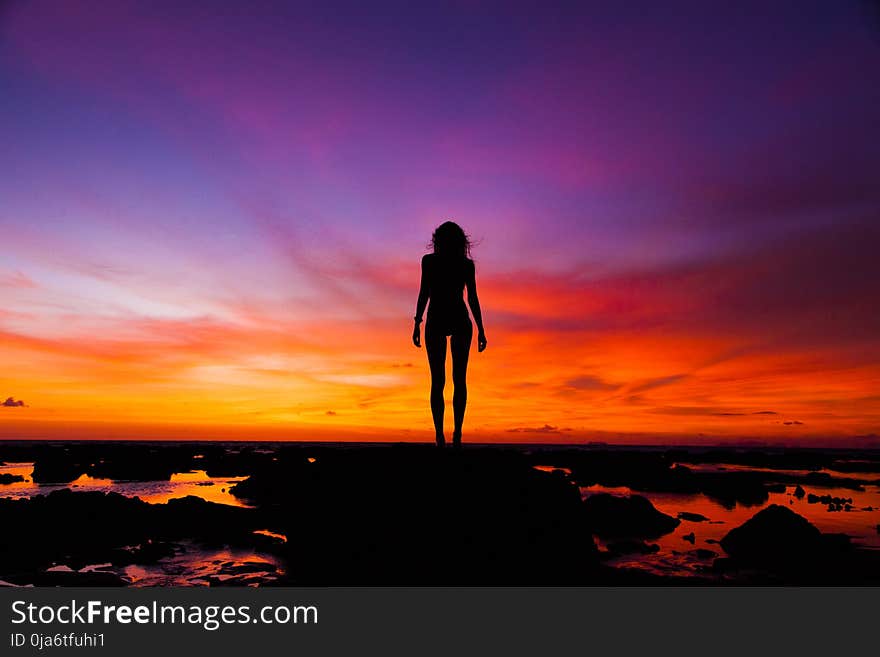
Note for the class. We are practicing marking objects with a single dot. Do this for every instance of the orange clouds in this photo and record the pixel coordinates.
(726, 350)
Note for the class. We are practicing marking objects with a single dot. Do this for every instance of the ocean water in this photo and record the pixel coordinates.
(191, 564)
(181, 484)
(678, 556)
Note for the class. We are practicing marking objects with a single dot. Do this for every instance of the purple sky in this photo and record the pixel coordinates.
(715, 165)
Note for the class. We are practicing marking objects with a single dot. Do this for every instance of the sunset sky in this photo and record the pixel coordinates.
(213, 213)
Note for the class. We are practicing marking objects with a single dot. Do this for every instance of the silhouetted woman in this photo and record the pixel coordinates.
(445, 274)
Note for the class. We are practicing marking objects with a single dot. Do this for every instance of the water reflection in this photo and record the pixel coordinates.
(271, 534)
(678, 556)
(181, 484)
(198, 566)
(195, 565)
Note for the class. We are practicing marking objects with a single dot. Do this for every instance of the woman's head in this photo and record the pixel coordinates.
(449, 239)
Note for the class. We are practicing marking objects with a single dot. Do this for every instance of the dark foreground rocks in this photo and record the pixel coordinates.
(84, 528)
(709, 472)
(626, 517)
(6, 478)
(61, 463)
(692, 517)
(377, 515)
(789, 549)
(408, 514)
(412, 515)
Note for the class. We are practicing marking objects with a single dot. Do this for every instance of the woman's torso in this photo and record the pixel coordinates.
(446, 282)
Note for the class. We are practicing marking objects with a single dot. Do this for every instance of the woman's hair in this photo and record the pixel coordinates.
(450, 239)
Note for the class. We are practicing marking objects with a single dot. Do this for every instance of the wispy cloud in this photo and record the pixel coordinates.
(547, 428)
(590, 382)
(17, 280)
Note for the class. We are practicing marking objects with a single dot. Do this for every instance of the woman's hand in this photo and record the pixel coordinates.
(417, 335)
(481, 341)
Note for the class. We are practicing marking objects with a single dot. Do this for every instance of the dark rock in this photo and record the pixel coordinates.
(6, 478)
(67, 578)
(216, 581)
(690, 538)
(834, 503)
(692, 517)
(632, 547)
(703, 553)
(631, 517)
(799, 492)
(244, 567)
(51, 471)
(145, 553)
(371, 515)
(775, 536)
(82, 528)
(859, 465)
(732, 488)
(775, 488)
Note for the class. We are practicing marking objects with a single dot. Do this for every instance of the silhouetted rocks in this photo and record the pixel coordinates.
(773, 535)
(856, 465)
(834, 503)
(704, 554)
(77, 529)
(6, 478)
(692, 517)
(137, 462)
(66, 578)
(617, 548)
(732, 488)
(127, 461)
(826, 479)
(631, 517)
(644, 471)
(401, 514)
(411, 515)
(148, 552)
(787, 546)
(56, 471)
(247, 567)
(828, 499)
(768, 458)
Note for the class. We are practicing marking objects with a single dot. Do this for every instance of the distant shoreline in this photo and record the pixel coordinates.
(746, 446)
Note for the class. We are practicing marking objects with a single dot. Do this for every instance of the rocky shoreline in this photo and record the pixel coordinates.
(409, 515)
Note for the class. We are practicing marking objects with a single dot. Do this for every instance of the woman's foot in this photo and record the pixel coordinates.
(441, 440)
(456, 438)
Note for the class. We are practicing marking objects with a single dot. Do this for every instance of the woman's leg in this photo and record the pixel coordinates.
(435, 345)
(460, 344)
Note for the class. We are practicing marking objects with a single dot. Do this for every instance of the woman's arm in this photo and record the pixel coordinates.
(474, 303)
(424, 293)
